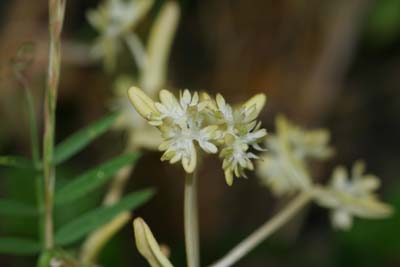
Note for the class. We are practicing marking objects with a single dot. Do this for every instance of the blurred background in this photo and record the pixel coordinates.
(331, 64)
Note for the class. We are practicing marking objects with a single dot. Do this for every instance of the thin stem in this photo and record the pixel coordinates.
(191, 221)
(56, 19)
(35, 151)
(32, 126)
(154, 71)
(264, 231)
(137, 49)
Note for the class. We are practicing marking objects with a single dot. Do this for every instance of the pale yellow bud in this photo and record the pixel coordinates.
(257, 102)
(148, 246)
(143, 104)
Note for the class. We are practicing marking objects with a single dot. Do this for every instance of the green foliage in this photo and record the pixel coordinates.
(18, 246)
(16, 162)
(16, 208)
(79, 140)
(379, 239)
(63, 258)
(93, 179)
(384, 21)
(78, 228)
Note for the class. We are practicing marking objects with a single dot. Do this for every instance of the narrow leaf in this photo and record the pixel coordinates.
(79, 140)
(15, 208)
(88, 222)
(18, 246)
(93, 179)
(16, 162)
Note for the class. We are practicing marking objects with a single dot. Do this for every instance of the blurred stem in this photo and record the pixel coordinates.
(93, 245)
(264, 231)
(154, 71)
(191, 221)
(95, 242)
(136, 48)
(33, 130)
(56, 19)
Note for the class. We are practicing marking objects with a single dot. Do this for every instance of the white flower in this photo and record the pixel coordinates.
(240, 132)
(196, 121)
(348, 197)
(182, 124)
(284, 167)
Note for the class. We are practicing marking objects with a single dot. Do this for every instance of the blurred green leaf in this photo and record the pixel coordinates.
(15, 208)
(384, 21)
(88, 222)
(18, 246)
(16, 162)
(377, 238)
(93, 179)
(77, 141)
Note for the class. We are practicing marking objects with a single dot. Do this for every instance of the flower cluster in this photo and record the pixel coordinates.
(114, 20)
(197, 122)
(353, 196)
(285, 167)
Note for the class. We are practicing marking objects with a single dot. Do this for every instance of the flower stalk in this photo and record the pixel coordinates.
(266, 230)
(191, 221)
(56, 19)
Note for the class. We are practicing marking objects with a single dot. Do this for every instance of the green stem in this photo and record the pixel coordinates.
(56, 19)
(191, 221)
(34, 136)
(33, 128)
(264, 231)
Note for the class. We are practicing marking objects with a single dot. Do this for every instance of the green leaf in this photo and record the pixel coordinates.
(18, 246)
(15, 208)
(16, 162)
(88, 222)
(93, 179)
(79, 140)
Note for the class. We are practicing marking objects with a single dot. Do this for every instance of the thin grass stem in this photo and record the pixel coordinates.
(266, 230)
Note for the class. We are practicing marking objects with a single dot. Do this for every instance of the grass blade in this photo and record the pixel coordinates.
(88, 222)
(15, 208)
(16, 162)
(93, 179)
(18, 246)
(79, 140)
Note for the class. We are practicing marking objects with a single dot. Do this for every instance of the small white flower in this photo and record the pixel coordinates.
(240, 132)
(348, 197)
(182, 124)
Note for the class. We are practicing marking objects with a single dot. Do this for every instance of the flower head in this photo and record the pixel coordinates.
(352, 196)
(196, 121)
(285, 167)
(241, 133)
(113, 20)
(181, 122)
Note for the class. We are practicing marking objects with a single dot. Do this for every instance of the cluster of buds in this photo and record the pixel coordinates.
(196, 122)
(285, 169)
